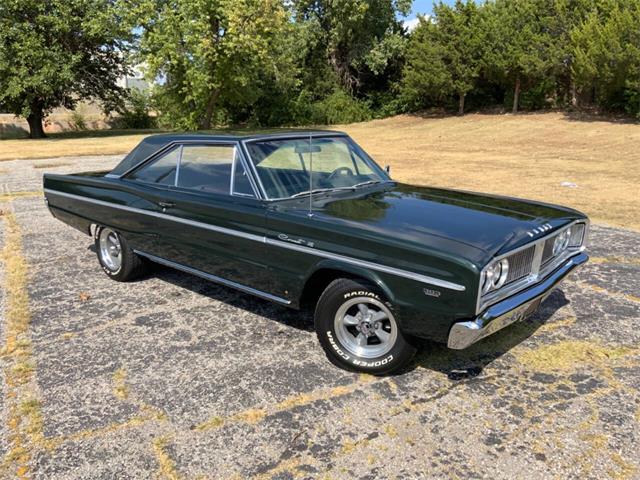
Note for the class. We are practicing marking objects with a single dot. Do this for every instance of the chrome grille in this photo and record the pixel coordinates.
(534, 262)
(547, 252)
(520, 264)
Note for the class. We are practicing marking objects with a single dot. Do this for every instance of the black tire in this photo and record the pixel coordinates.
(339, 301)
(129, 265)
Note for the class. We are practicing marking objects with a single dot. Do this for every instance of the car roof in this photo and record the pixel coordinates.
(154, 143)
(240, 136)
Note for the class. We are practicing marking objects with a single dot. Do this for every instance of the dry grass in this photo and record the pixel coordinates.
(24, 420)
(63, 146)
(525, 155)
(120, 388)
(567, 355)
(166, 465)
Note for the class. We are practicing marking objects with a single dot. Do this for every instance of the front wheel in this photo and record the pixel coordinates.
(358, 330)
(116, 258)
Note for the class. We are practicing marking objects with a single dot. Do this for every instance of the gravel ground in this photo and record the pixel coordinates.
(174, 377)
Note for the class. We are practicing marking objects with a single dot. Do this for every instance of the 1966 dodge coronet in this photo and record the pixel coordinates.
(308, 218)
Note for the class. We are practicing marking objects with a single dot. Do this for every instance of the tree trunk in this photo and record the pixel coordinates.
(34, 119)
(574, 93)
(461, 103)
(516, 95)
(205, 123)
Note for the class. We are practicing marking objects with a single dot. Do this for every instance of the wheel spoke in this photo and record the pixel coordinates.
(377, 316)
(383, 335)
(361, 340)
(364, 310)
(350, 320)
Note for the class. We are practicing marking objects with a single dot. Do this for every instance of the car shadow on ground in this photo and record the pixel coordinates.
(300, 319)
(469, 363)
(455, 364)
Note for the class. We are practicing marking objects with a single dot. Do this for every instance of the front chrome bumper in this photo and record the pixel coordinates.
(510, 310)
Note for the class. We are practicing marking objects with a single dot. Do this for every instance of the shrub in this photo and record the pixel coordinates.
(339, 107)
(77, 121)
(136, 113)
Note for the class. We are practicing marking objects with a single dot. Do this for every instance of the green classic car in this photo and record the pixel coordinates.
(309, 219)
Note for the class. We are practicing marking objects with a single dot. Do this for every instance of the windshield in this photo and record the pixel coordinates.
(284, 165)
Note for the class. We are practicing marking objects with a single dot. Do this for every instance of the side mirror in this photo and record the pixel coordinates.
(388, 169)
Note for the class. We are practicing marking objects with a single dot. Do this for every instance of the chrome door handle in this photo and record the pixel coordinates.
(166, 204)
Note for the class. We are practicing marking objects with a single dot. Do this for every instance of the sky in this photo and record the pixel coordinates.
(422, 7)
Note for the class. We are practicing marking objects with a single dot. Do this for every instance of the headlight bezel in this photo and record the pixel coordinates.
(494, 275)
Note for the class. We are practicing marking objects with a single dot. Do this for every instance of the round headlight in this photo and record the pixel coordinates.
(504, 272)
(495, 275)
(561, 242)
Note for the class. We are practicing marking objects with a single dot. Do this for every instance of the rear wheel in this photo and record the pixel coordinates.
(358, 330)
(116, 258)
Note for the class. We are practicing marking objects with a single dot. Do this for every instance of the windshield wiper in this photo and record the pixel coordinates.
(368, 182)
(335, 189)
(308, 192)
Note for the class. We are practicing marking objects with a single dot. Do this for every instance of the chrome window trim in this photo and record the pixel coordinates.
(257, 238)
(181, 148)
(181, 143)
(538, 271)
(214, 278)
(239, 157)
(302, 136)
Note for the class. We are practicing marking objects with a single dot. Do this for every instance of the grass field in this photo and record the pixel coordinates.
(526, 155)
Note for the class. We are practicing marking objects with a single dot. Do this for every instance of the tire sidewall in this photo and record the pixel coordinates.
(339, 355)
(116, 274)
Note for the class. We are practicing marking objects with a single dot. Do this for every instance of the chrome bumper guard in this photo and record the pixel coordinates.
(510, 310)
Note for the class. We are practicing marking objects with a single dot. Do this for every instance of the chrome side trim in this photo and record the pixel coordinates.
(257, 238)
(214, 278)
(373, 266)
(206, 226)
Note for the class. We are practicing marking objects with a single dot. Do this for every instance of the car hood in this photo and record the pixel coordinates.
(492, 224)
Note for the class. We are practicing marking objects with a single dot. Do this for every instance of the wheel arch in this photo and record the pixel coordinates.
(327, 271)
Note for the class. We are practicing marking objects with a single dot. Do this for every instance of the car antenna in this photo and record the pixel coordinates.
(310, 214)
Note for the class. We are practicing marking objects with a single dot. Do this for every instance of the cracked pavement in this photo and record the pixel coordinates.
(175, 377)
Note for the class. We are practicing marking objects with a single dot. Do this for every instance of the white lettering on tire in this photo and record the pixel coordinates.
(335, 346)
(355, 361)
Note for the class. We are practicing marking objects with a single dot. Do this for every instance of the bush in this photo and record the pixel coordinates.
(632, 102)
(77, 121)
(339, 107)
(136, 114)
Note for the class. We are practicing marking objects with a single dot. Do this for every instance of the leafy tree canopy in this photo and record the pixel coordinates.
(54, 53)
(212, 53)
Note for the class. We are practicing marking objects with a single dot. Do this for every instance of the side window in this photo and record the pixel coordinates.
(241, 182)
(161, 170)
(206, 168)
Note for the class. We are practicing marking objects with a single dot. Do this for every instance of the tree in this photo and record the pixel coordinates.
(443, 55)
(211, 53)
(458, 34)
(518, 42)
(607, 53)
(57, 52)
(425, 77)
(355, 39)
(565, 17)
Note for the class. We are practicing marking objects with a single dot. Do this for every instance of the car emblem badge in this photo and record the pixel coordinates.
(431, 293)
(541, 229)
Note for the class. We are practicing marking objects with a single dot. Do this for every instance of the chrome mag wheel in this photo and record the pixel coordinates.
(365, 327)
(110, 249)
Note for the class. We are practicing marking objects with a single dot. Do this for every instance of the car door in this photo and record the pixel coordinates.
(211, 219)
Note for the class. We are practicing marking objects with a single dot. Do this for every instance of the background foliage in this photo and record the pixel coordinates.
(294, 62)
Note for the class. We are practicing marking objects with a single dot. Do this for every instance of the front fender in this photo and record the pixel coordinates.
(353, 270)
